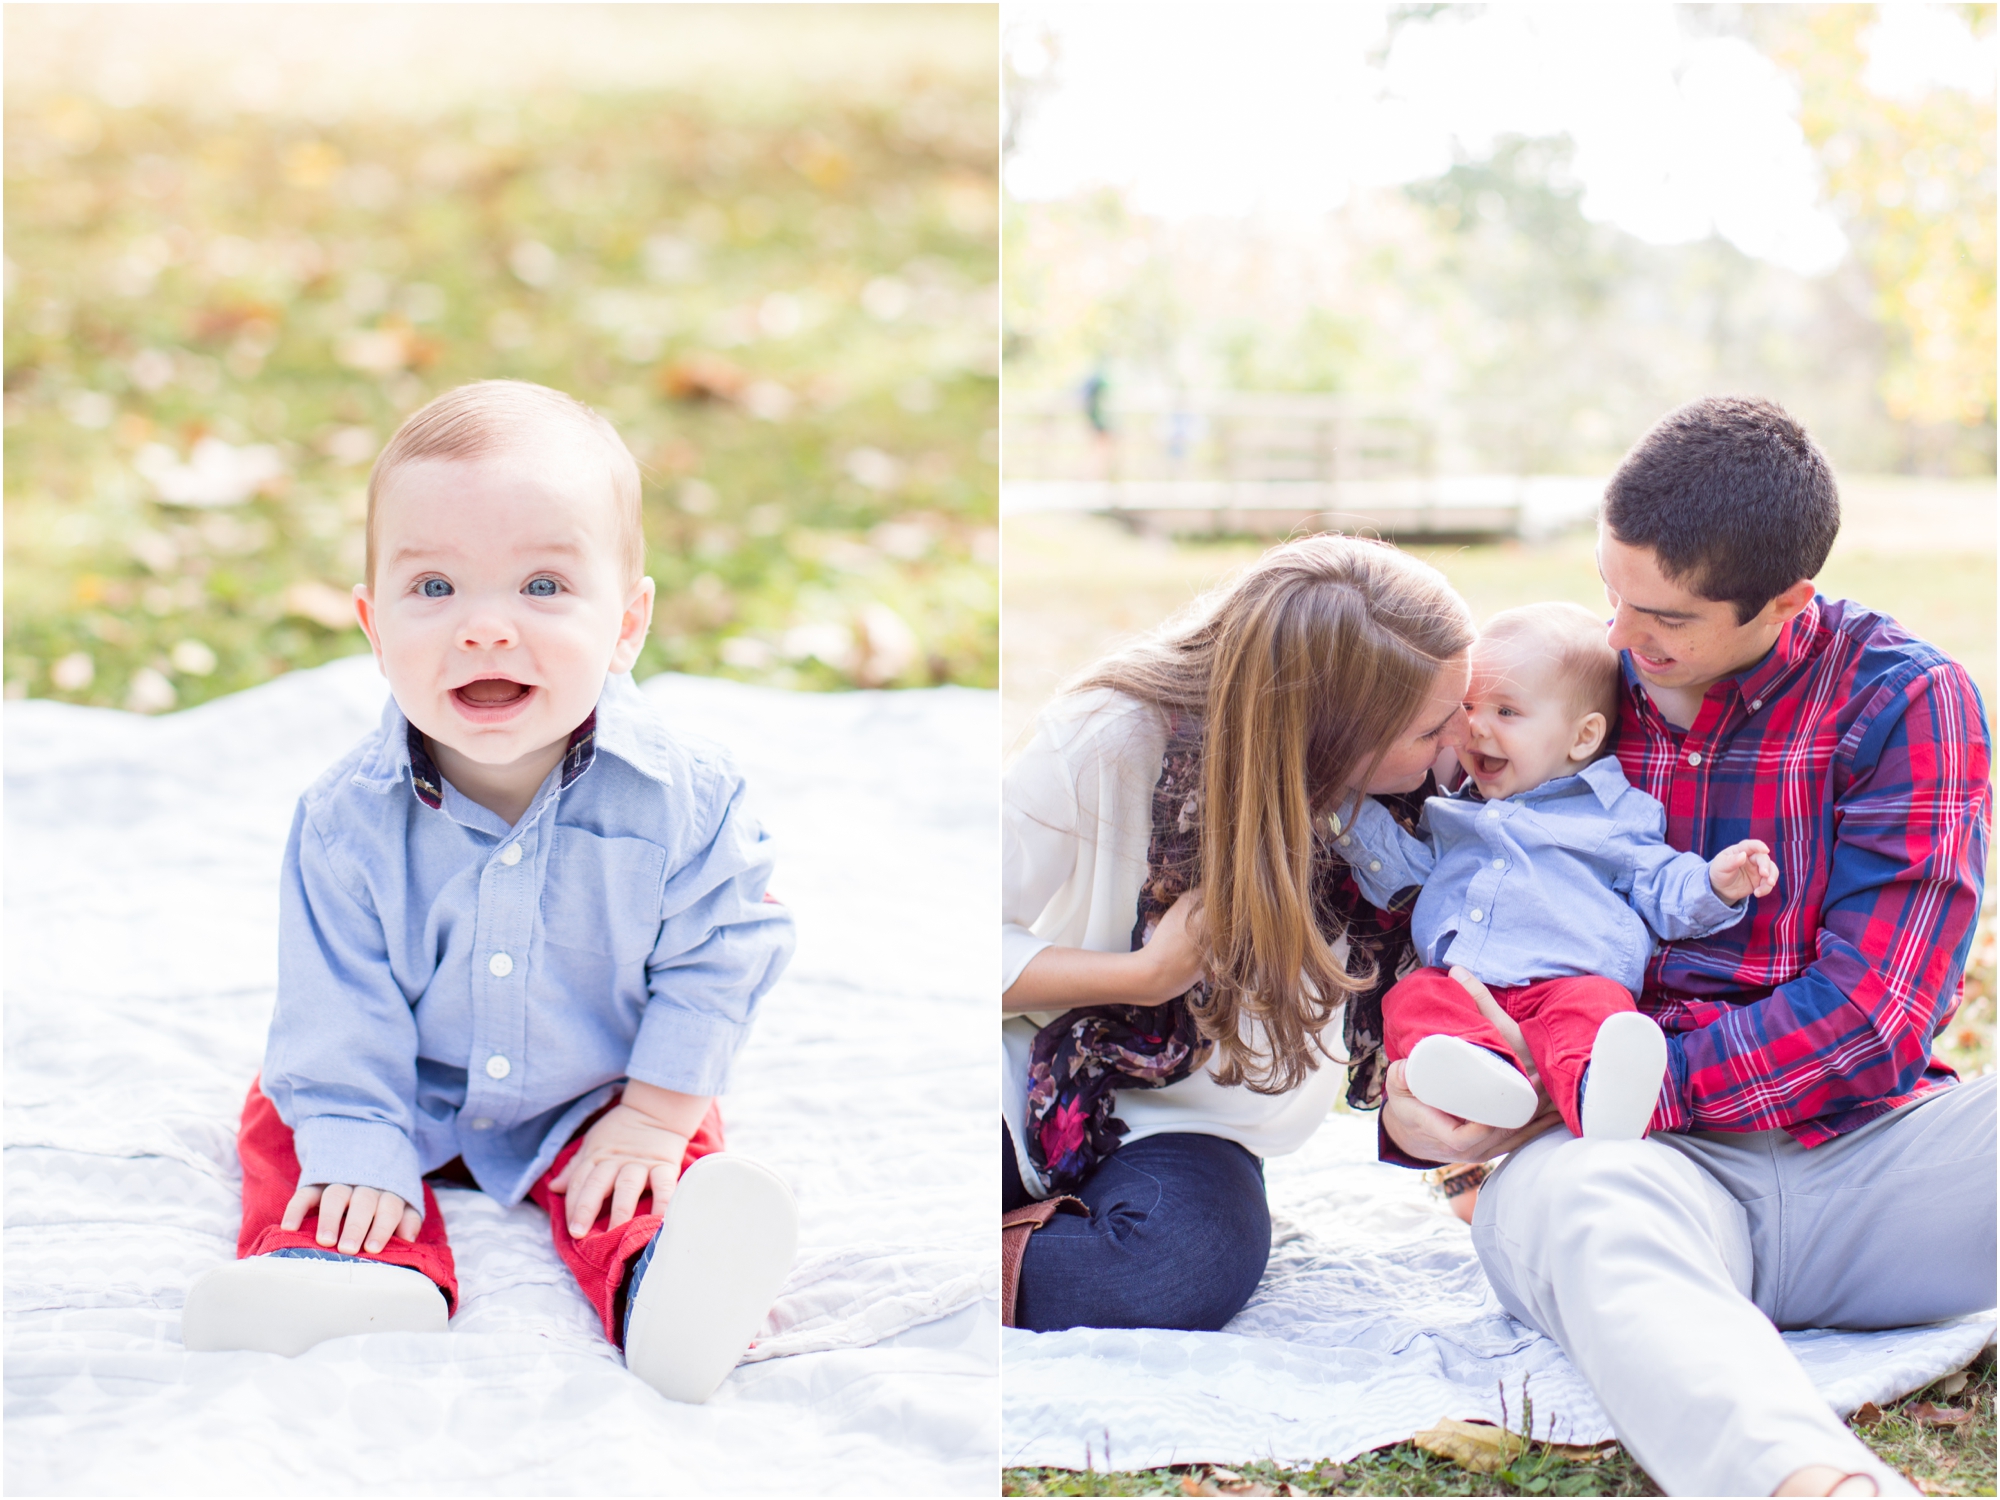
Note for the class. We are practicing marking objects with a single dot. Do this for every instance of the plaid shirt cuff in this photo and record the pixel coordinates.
(1675, 1111)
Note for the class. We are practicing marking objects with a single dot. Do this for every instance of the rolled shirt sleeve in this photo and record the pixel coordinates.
(340, 1063)
(1039, 849)
(721, 947)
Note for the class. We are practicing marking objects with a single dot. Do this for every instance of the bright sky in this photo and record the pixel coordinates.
(1277, 109)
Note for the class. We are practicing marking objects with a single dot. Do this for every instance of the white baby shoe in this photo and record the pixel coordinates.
(701, 1290)
(1627, 1063)
(281, 1305)
(1460, 1078)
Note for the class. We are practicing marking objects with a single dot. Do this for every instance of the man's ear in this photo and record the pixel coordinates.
(1791, 601)
(632, 627)
(1590, 732)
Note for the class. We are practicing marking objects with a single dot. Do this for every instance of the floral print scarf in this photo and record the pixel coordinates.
(1081, 1059)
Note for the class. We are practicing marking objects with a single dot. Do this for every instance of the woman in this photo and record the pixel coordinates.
(1179, 935)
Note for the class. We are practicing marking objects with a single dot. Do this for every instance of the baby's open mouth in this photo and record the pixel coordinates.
(1488, 765)
(492, 692)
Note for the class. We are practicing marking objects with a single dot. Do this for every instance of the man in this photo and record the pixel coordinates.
(1810, 1164)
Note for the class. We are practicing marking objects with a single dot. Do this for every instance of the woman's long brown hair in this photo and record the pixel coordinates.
(1303, 673)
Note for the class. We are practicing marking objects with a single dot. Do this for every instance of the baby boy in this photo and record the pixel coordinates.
(1548, 876)
(523, 930)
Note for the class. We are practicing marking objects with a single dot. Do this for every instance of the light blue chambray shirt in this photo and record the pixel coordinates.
(448, 986)
(1574, 876)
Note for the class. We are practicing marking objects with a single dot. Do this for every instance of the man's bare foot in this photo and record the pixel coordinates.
(1824, 1479)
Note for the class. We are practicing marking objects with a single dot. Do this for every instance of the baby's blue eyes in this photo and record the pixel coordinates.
(538, 588)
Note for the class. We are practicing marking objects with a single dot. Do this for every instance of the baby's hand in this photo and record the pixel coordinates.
(370, 1216)
(624, 1153)
(1744, 869)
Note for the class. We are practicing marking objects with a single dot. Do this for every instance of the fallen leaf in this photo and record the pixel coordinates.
(322, 603)
(1925, 1414)
(1951, 1385)
(1478, 1446)
(703, 377)
(1868, 1415)
(1223, 1482)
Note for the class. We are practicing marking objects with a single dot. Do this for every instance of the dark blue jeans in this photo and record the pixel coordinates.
(1177, 1237)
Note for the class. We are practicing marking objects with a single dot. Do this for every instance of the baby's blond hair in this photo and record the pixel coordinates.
(494, 416)
(1573, 641)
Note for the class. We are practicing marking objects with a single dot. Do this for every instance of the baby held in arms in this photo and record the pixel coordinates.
(1548, 876)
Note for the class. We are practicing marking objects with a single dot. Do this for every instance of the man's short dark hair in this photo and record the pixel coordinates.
(1731, 497)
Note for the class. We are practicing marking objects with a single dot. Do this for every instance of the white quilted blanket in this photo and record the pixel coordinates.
(141, 903)
(1373, 1321)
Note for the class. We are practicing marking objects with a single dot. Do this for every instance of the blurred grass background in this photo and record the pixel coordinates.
(244, 242)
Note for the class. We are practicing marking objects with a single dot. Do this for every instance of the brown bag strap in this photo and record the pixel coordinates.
(1015, 1228)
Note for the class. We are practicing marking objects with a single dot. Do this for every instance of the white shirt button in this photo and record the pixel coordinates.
(1755, 704)
(482, 1123)
(499, 966)
(1499, 864)
(1492, 809)
(1374, 864)
(1475, 914)
(511, 855)
(1694, 757)
(498, 1066)
(1345, 840)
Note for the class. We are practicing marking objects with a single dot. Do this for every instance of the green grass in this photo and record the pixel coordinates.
(788, 314)
(1942, 1461)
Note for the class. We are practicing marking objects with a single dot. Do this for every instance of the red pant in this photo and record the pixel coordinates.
(598, 1260)
(1558, 1018)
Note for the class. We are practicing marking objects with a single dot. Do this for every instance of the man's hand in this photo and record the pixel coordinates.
(638, 1143)
(1744, 869)
(1500, 1021)
(1431, 1134)
(352, 1219)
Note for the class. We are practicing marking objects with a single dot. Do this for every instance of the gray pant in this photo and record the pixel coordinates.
(1665, 1268)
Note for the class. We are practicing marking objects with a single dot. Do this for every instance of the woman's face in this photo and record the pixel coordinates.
(1437, 729)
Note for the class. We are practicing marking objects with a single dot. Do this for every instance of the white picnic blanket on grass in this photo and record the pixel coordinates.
(1372, 1322)
(142, 857)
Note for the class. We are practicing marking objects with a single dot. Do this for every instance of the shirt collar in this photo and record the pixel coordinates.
(622, 725)
(1797, 642)
(1604, 776)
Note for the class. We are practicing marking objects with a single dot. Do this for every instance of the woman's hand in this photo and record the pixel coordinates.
(1165, 969)
(352, 1219)
(1177, 951)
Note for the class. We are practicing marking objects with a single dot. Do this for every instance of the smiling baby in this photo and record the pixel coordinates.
(1547, 875)
(523, 930)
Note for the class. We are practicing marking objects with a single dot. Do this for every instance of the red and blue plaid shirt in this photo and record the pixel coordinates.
(1861, 756)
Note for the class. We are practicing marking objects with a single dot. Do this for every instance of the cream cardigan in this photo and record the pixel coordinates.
(1076, 817)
